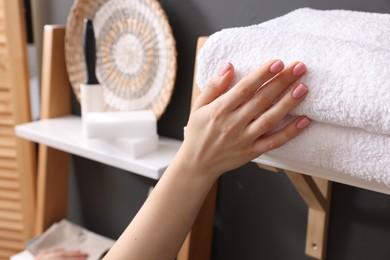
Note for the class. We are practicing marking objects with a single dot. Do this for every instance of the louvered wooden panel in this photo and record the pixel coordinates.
(3, 66)
(12, 235)
(6, 184)
(7, 131)
(7, 141)
(5, 253)
(8, 174)
(8, 164)
(17, 156)
(5, 107)
(7, 152)
(10, 195)
(5, 95)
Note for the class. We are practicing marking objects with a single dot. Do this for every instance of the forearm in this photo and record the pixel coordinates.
(225, 130)
(161, 225)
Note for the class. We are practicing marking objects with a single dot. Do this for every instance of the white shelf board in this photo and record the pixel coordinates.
(283, 163)
(65, 134)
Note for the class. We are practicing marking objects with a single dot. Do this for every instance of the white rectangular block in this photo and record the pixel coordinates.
(91, 98)
(131, 147)
(110, 125)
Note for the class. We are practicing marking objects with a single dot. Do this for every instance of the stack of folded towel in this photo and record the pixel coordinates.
(348, 58)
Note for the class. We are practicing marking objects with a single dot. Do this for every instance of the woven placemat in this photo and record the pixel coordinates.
(136, 53)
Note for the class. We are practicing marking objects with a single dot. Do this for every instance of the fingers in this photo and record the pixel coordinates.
(271, 118)
(216, 87)
(277, 139)
(248, 86)
(266, 96)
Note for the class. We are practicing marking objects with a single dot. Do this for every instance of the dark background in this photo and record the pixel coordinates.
(259, 214)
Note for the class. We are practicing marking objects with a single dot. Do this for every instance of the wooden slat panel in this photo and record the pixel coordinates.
(5, 107)
(6, 253)
(7, 120)
(11, 225)
(8, 163)
(10, 205)
(3, 47)
(7, 131)
(3, 38)
(18, 154)
(10, 194)
(2, 7)
(14, 216)
(12, 235)
(4, 69)
(13, 245)
(2, 24)
(9, 184)
(6, 152)
(21, 112)
(5, 95)
(6, 141)
(8, 174)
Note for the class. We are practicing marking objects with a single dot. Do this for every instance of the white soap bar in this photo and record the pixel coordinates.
(126, 147)
(109, 125)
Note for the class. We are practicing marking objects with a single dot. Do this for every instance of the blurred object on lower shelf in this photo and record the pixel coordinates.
(68, 236)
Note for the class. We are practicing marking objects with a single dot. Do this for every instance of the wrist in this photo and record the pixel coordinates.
(191, 166)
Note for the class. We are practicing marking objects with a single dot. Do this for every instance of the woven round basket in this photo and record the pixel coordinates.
(136, 53)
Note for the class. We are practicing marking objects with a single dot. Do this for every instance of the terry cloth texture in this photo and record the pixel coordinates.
(347, 54)
(348, 75)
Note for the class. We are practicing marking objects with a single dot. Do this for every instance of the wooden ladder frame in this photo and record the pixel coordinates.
(314, 191)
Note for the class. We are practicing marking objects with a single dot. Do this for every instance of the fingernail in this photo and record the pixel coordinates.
(299, 91)
(299, 69)
(276, 67)
(225, 69)
(304, 122)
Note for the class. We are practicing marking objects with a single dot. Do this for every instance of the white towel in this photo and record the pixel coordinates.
(348, 78)
(342, 24)
(347, 54)
(350, 151)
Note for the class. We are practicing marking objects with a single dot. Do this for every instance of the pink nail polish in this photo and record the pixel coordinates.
(276, 67)
(299, 91)
(225, 69)
(304, 122)
(299, 69)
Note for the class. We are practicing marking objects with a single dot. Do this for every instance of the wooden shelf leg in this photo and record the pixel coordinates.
(53, 165)
(316, 193)
(52, 183)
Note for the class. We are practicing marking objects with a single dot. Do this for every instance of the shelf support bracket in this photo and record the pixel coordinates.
(316, 193)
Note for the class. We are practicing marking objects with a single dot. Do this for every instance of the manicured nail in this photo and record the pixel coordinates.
(304, 122)
(276, 67)
(225, 69)
(299, 69)
(299, 91)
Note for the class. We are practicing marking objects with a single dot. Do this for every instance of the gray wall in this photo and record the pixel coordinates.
(259, 214)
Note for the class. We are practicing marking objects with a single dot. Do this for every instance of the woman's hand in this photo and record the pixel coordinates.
(229, 128)
(225, 130)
